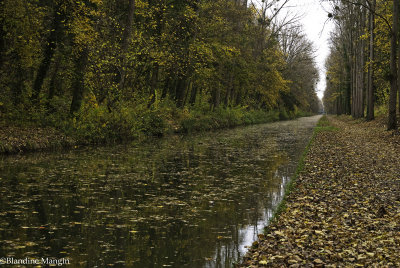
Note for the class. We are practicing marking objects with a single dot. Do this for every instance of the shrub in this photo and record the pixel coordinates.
(283, 115)
(96, 124)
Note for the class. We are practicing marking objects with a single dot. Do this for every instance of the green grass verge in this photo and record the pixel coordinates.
(322, 125)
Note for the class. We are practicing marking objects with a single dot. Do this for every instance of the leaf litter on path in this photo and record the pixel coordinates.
(345, 208)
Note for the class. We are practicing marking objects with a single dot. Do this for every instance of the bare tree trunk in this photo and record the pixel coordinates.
(358, 82)
(347, 83)
(362, 64)
(371, 89)
(353, 85)
(392, 124)
(398, 50)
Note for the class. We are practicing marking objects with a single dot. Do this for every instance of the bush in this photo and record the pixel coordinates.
(200, 120)
(96, 124)
(283, 115)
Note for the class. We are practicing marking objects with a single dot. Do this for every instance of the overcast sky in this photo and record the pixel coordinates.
(315, 25)
(317, 28)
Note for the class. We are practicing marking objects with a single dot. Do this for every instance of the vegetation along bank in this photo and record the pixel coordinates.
(104, 70)
(344, 209)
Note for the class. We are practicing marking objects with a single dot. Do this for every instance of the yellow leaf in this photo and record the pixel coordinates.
(318, 261)
(279, 233)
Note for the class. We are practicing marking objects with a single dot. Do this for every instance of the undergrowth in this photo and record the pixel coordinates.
(98, 123)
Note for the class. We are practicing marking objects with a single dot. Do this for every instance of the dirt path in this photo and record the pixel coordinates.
(345, 209)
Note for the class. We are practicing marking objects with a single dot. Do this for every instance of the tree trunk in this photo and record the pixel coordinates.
(362, 65)
(370, 96)
(48, 53)
(154, 84)
(392, 124)
(180, 92)
(52, 87)
(125, 42)
(353, 85)
(398, 50)
(193, 94)
(216, 97)
(166, 87)
(347, 83)
(79, 83)
(228, 90)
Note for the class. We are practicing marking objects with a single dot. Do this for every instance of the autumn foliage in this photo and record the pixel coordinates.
(105, 68)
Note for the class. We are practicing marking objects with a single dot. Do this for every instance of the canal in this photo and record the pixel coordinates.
(181, 201)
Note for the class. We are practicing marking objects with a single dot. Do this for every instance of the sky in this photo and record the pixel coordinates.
(317, 28)
(313, 17)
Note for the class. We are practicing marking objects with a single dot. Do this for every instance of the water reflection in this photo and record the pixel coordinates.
(192, 201)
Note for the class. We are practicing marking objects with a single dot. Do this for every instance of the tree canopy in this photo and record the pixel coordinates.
(62, 60)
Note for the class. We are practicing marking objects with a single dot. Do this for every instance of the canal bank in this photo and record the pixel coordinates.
(344, 209)
(20, 137)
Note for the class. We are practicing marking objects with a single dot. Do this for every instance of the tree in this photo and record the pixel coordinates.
(352, 25)
(300, 69)
(392, 123)
(371, 85)
(54, 36)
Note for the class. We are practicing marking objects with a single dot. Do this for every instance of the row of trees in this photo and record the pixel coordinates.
(56, 55)
(363, 66)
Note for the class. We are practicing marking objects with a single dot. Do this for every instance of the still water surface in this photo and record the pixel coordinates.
(192, 201)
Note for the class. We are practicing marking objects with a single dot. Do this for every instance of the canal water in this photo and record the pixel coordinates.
(191, 201)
